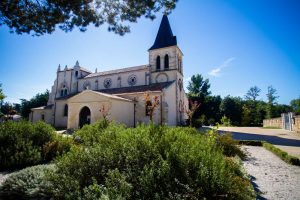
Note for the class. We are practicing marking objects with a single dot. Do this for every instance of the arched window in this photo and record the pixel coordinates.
(76, 73)
(66, 110)
(96, 84)
(158, 63)
(61, 93)
(148, 107)
(65, 92)
(166, 61)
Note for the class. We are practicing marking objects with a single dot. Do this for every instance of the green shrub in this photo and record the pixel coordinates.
(58, 146)
(147, 162)
(21, 143)
(229, 145)
(225, 121)
(90, 134)
(199, 122)
(28, 183)
(282, 154)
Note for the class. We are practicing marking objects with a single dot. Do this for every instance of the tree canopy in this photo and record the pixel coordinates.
(37, 101)
(295, 104)
(198, 87)
(43, 16)
(272, 99)
(2, 96)
(252, 93)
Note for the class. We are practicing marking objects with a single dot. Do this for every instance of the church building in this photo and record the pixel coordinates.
(80, 97)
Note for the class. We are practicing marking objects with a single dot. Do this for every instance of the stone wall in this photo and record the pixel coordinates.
(296, 124)
(274, 122)
(277, 122)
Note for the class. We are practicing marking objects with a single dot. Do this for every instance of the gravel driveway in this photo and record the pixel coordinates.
(271, 177)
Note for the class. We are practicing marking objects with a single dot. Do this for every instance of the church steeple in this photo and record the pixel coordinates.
(164, 37)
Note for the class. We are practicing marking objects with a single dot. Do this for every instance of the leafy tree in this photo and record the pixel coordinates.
(43, 16)
(198, 91)
(260, 113)
(249, 113)
(8, 109)
(198, 87)
(17, 107)
(1, 99)
(253, 93)
(211, 109)
(281, 108)
(246, 116)
(295, 104)
(231, 107)
(272, 100)
(37, 101)
(2, 96)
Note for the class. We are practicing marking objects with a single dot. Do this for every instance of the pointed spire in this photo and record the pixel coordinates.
(76, 64)
(58, 69)
(66, 67)
(96, 70)
(164, 37)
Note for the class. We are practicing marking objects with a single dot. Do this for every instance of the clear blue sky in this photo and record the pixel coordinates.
(236, 44)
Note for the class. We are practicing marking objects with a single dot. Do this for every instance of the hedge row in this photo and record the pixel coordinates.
(280, 153)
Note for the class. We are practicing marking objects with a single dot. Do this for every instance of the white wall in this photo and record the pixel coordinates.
(60, 119)
(122, 112)
(140, 77)
(37, 115)
(170, 99)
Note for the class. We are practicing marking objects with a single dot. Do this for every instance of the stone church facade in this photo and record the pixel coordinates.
(80, 97)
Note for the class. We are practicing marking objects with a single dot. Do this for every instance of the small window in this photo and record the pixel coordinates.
(148, 107)
(76, 73)
(166, 61)
(158, 63)
(66, 110)
(65, 92)
(96, 84)
(43, 117)
(61, 93)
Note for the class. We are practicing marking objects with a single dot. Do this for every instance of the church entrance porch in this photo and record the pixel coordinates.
(90, 106)
(84, 116)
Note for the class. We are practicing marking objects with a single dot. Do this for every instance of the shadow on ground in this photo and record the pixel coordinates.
(256, 188)
(271, 139)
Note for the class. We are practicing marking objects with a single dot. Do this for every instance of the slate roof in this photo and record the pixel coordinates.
(164, 37)
(132, 89)
(140, 88)
(115, 71)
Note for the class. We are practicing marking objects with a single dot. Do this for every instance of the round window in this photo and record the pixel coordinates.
(107, 83)
(132, 80)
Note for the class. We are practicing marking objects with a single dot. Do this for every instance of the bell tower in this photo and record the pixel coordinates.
(165, 60)
(165, 57)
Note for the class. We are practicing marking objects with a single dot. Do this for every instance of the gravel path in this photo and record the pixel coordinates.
(272, 177)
